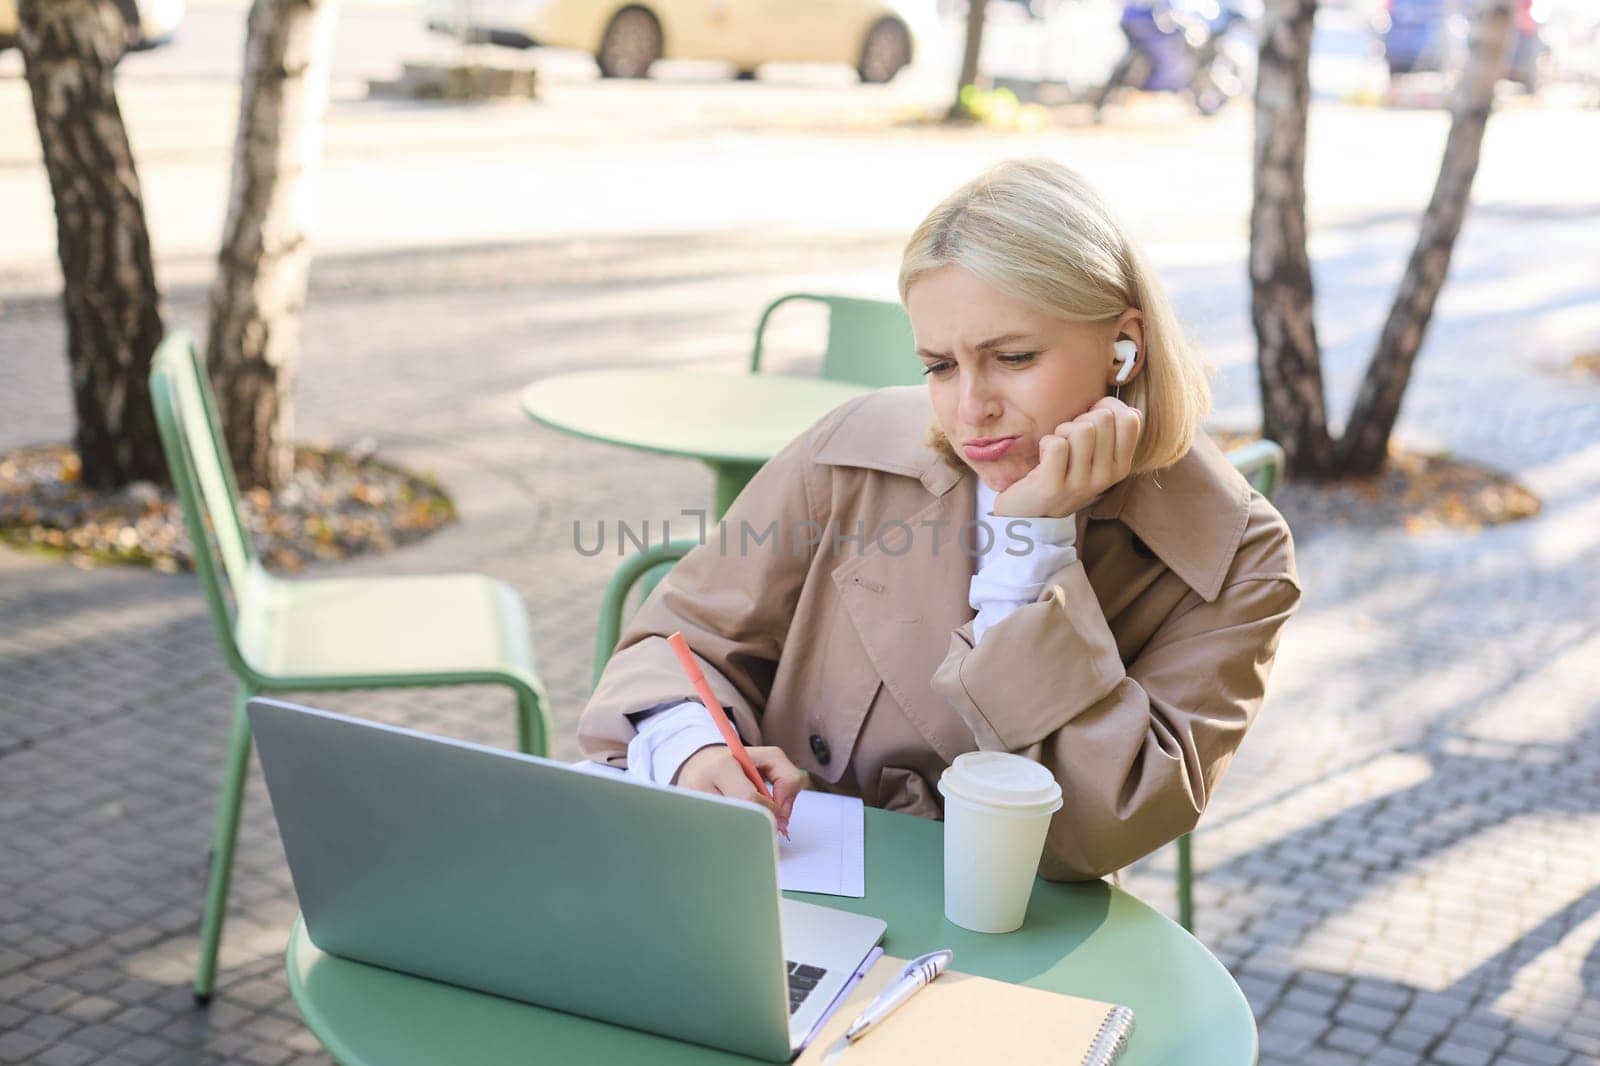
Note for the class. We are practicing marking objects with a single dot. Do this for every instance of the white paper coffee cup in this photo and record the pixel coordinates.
(997, 809)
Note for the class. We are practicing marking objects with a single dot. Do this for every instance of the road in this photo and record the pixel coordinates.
(803, 156)
(1076, 44)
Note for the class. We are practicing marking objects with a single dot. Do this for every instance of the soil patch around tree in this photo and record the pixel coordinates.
(1415, 491)
(339, 503)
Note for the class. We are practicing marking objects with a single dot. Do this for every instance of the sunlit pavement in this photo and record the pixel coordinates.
(1399, 867)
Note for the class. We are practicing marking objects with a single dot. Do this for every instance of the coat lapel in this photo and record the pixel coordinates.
(908, 584)
(912, 581)
(1192, 515)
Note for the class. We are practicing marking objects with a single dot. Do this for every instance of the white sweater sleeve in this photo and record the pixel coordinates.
(1023, 554)
(667, 738)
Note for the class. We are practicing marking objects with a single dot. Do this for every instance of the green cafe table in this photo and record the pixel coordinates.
(731, 422)
(1090, 940)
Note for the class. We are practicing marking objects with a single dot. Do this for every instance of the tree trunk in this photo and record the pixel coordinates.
(1281, 297)
(262, 267)
(976, 9)
(1366, 438)
(113, 308)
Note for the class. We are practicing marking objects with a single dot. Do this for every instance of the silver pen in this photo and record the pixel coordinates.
(918, 972)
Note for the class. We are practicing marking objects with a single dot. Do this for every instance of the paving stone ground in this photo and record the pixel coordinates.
(1402, 865)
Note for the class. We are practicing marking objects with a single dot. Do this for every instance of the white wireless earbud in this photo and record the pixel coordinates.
(1127, 355)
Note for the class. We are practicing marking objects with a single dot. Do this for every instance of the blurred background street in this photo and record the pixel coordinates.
(804, 160)
(794, 148)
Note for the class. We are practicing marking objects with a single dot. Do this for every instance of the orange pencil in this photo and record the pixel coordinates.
(719, 717)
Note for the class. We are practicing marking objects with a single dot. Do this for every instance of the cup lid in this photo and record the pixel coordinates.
(1000, 779)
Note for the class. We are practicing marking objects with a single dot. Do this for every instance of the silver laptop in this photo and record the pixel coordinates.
(655, 908)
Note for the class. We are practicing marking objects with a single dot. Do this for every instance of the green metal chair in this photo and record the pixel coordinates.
(1260, 462)
(337, 633)
(644, 569)
(869, 341)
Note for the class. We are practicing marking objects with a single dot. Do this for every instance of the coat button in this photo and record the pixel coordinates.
(819, 748)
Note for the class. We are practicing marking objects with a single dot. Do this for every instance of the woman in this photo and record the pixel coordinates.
(1113, 618)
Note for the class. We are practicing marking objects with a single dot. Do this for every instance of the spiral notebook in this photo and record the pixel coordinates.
(962, 1019)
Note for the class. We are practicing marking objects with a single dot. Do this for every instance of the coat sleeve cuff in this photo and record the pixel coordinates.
(667, 739)
(651, 670)
(1036, 670)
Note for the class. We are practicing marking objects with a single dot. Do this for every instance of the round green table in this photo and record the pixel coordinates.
(1089, 940)
(731, 422)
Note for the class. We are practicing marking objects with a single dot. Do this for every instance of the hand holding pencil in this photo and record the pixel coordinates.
(763, 775)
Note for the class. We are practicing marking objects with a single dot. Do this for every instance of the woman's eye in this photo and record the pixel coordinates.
(1019, 358)
(938, 369)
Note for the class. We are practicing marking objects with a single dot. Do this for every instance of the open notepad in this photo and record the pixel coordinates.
(826, 849)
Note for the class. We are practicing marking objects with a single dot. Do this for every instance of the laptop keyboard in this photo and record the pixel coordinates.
(802, 979)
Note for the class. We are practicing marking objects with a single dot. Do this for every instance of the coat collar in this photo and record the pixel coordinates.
(888, 430)
(1191, 514)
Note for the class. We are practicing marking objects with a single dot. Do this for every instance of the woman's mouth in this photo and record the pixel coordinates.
(988, 449)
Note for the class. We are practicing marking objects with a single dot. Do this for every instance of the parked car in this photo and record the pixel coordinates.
(877, 37)
(149, 22)
(1431, 35)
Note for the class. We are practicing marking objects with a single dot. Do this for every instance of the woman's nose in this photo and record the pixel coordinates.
(979, 404)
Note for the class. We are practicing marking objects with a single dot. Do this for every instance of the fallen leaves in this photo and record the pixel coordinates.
(1417, 492)
(337, 504)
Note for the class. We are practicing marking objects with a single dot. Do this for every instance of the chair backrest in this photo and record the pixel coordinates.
(869, 341)
(1261, 463)
(643, 570)
(192, 439)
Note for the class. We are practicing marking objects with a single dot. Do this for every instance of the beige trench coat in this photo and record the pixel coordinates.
(829, 612)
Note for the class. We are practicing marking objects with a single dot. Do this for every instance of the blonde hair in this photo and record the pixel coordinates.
(1036, 231)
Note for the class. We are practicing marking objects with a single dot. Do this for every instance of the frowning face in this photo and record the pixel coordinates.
(1002, 374)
